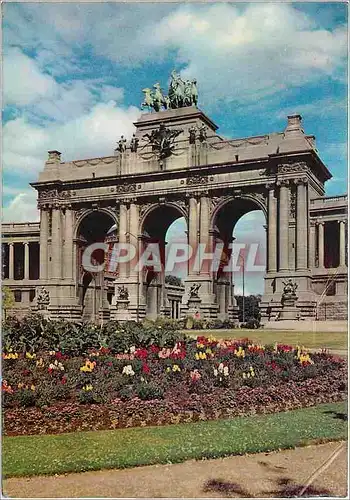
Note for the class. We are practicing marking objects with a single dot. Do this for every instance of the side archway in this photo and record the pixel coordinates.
(94, 226)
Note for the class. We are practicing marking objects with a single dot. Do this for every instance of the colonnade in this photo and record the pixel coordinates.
(12, 261)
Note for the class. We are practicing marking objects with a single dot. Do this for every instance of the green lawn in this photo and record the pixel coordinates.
(312, 340)
(82, 451)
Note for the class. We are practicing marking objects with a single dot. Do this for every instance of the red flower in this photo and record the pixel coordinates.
(145, 368)
(141, 353)
(60, 356)
(154, 349)
(104, 350)
(26, 372)
(284, 348)
(63, 380)
(109, 363)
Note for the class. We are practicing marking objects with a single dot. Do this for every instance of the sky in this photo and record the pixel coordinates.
(73, 74)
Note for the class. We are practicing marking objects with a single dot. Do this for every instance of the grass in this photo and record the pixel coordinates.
(82, 451)
(311, 340)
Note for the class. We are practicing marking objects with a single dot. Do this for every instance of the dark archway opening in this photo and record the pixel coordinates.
(241, 223)
(93, 288)
(162, 290)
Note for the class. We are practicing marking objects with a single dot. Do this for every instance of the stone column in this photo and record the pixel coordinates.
(312, 237)
(321, 244)
(122, 235)
(68, 244)
(26, 260)
(134, 235)
(56, 244)
(11, 261)
(272, 229)
(301, 225)
(283, 225)
(204, 238)
(192, 230)
(44, 235)
(341, 243)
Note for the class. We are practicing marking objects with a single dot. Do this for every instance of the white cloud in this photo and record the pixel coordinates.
(24, 83)
(90, 135)
(22, 208)
(245, 54)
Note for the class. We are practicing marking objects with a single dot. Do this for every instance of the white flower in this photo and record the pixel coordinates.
(215, 372)
(127, 370)
(221, 367)
(226, 371)
(132, 349)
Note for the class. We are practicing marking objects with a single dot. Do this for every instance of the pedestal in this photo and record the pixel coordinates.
(193, 307)
(289, 310)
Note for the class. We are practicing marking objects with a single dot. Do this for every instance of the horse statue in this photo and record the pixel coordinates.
(158, 98)
(176, 91)
(148, 100)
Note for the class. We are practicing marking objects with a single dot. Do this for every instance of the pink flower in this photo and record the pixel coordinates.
(195, 375)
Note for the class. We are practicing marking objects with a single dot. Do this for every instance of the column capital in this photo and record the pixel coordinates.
(26, 243)
(270, 185)
(203, 194)
(300, 180)
(320, 223)
(283, 182)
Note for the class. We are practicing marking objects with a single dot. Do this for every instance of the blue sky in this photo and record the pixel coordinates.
(73, 75)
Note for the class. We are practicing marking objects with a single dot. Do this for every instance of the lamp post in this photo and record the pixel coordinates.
(243, 280)
(243, 272)
(243, 286)
(138, 278)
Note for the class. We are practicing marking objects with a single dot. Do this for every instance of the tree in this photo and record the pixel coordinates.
(251, 307)
(8, 299)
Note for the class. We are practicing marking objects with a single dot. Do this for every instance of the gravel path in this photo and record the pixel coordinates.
(275, 474)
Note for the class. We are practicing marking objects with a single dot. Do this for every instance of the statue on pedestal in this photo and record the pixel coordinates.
(193, 292)
(43, 299)
(123, 293)
(289, 291)
(134, 144)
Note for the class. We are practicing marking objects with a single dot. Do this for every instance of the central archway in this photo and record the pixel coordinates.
(159, 295)
(244, 250)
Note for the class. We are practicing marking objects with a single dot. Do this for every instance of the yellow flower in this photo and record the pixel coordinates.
(176, 368)
(11, 355)
(87, 387)
(40, 363)
(240, 353)
(30, 356)
(244, 375)
(20, 385)
(168, 369)
(88, 367)
(32, 387)
(196, 355)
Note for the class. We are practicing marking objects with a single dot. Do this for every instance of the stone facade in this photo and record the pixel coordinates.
(211, 182)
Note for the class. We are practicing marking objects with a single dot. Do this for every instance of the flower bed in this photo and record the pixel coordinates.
(186, 380)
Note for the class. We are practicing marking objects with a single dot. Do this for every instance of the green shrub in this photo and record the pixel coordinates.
(147, 391)
(26, 397)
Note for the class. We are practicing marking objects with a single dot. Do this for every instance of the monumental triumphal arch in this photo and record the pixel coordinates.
(177, 165)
